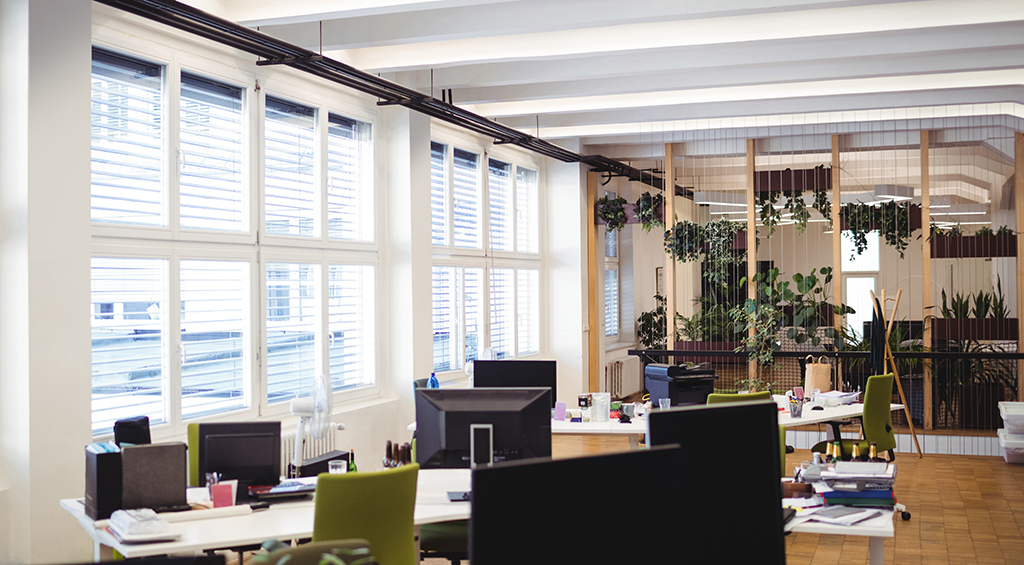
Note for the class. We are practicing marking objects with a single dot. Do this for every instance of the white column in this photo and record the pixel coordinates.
(564, 229)
(406, 253)
(45, 390)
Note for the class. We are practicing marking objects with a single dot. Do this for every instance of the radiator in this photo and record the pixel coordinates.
(312, 448)
(622, 377)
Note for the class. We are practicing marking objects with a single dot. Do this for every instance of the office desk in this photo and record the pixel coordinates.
(876, 530)
(828, 414)
(283, 521)
(612, 427)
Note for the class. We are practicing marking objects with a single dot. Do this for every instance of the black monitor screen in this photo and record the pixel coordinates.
(732, 455)
(521, 420)
(247, 451)
(619, 508)
(516, 373)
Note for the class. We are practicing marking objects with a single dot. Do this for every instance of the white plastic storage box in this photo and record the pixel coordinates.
(1013, 417)
(1013, 446)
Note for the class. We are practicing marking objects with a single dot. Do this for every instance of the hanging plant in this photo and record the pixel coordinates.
(821, 201)
(612, 212)
(719, 236)
(647, 210)
(895, 225)
(858, 224)
(684, 241)
(796, 206)
(770, 217)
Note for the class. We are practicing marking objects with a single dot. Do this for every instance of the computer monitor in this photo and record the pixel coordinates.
(520, 420)
(732, 471)
(247, 451)
(618, 508)
(516, 373)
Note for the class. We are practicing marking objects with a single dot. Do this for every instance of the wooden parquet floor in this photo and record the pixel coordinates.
(965, 510)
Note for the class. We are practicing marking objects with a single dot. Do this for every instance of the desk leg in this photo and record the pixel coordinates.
(634, 442)
(102, 552)
(876, 550)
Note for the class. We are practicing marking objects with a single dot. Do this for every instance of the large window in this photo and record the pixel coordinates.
(486, 298)
(612, 319)
(199, 306)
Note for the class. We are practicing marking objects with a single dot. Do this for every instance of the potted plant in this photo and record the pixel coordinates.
(895, 222)
(685, 241)
(953, 243)
(650, 329)
(649, 210)
(612, 212)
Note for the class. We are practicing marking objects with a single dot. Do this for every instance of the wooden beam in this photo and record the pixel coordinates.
(926, 282)
(751, 243)
(1018, 195)
(593, 270)
(670, 262)
(839, 322)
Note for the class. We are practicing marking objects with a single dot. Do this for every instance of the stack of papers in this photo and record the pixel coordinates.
(840, 397)
(843, 516)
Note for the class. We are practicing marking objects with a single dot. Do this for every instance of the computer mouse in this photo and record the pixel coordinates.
(818, 408)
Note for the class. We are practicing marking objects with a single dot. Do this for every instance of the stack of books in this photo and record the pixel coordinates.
(855, 483)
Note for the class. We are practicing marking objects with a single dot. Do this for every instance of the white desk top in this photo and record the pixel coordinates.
(613, 427)
(826, 414)
(284, 521)
(877, 527)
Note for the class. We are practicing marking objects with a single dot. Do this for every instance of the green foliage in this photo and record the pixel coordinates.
(647, 210)
(984, 230)
(1004, 230)
(770, 216)
(755, 384)
(612, 212)
(796, 207)
(765, 321)
(893, 220)
(980, 305)
(684, 241)
(719, 235)
(711, 322)
(821, 201)
(651, 325)
(858, 224)
(960, 306)
(999, 309)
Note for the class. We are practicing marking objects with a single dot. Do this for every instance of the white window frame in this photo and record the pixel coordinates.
(611, 264)
(173, 243)
(487, 258)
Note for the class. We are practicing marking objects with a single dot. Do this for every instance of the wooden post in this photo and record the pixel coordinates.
(670, 261)
(926, 283)
(839, 322)
(751, 243)
(1018, 193)
(593, 246)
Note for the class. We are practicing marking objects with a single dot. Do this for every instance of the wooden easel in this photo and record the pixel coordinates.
(889, 355)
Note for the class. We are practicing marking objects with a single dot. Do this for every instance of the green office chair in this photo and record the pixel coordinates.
(446, 540)
(349, 552)
(193, 455)
(876, 421)
(376, 506)
(716, 398)
(720, 398)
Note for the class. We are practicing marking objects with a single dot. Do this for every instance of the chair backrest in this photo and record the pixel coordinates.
(348, 551)
(877, 416)
(716, 398)
(193, 455)
(376, 506)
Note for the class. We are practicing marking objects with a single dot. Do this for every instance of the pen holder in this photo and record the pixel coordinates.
(796, 408)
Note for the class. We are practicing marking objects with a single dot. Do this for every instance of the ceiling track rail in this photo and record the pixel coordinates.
(272, 51)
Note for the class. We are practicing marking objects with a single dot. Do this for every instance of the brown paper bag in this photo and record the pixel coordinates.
(817, 375)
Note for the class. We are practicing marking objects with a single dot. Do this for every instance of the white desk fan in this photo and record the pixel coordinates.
(315, 410)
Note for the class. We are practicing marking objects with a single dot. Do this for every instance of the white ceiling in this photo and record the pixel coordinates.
(606, 67)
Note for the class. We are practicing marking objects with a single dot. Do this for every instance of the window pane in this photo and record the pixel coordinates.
(289, 161)
(503, 314)
(867, 261)
(350, 321)
(349, 179)
(291, 330)
(499, 193)
(526, 210)
(127, 140)
(611, 243)
(127, 340)
(214, 336)
(528, 302)
(445, 318)
(473, 303)
(438, 193)
(466, 201)
(211, 155)
(611, 302)
(858, 297)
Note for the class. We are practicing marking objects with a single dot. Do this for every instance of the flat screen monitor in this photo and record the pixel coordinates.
(618, 508)
(732, 456)
(520, 420)
(516, 373)
(247, 451)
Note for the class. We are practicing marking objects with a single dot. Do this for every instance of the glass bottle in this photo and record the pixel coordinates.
(352, 461)
(828, 453)
(873, 453)
(837, 451)
(856, 452)
(389, 459)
